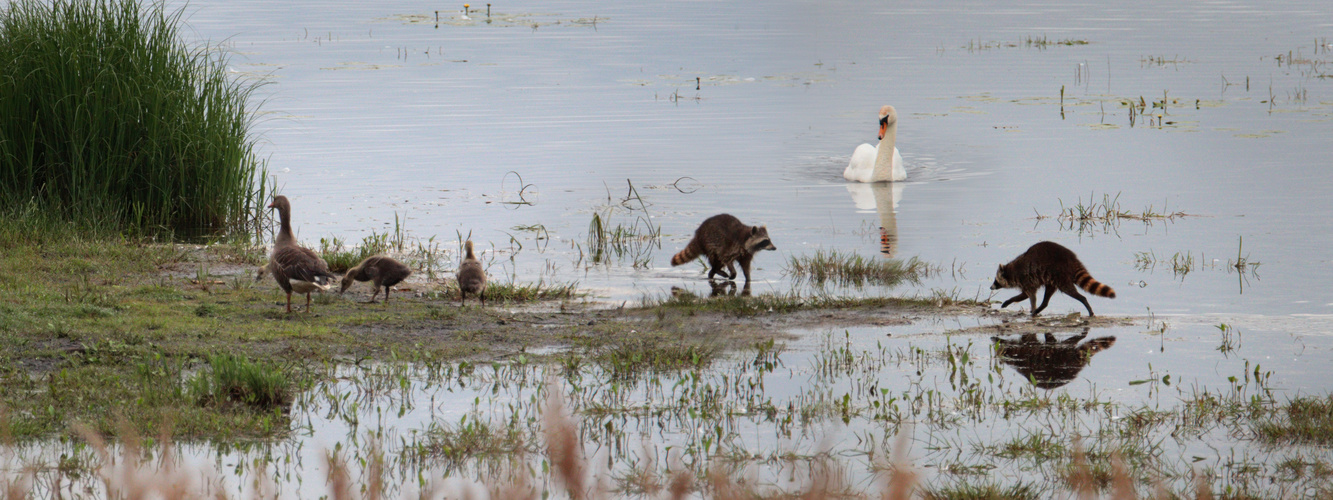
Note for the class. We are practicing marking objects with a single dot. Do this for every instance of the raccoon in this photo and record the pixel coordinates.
(1053, 266)
(471, 277)
(725, 240)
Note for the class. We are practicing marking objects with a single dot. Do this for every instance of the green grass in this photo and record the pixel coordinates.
(851, 269)
(689, 303)
(90, 307)
(985, 491)
(1303, 420)
(468, 441)
(236, 379)
(500, 293)
(635, 241)
(341, 258)
(634, 355)
(109, 120)
(113, 385)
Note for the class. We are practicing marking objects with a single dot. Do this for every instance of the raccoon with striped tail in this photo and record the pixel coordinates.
(471, 277)
(725, 240)
(1052, 266)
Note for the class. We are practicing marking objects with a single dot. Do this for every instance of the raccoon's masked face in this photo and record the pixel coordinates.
(758, 240)
(1001, 281)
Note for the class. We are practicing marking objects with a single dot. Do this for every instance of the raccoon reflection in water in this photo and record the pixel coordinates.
(882, 197)
(1051, 363)
(727, 289)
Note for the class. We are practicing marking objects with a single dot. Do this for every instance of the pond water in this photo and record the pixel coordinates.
(976, 405)
(376, 112)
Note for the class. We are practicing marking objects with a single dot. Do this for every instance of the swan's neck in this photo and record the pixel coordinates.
(884, 156)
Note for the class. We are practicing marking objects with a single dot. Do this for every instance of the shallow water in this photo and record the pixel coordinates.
(375, 111)
(962, 402)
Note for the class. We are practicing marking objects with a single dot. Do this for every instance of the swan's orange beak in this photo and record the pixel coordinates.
(883, 126)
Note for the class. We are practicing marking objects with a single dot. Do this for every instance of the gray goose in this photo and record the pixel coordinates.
(471, 277)
(295, 268)
(383, 271)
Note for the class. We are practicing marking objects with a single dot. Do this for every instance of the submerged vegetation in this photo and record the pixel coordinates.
(635, 240)
(108, 119)
(851, 269)
(1028, 41)
(1106, 215)
(644, 413)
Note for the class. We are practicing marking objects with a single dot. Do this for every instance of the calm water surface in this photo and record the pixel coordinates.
(375, 111)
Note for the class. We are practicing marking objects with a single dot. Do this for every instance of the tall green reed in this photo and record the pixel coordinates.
(109, 119)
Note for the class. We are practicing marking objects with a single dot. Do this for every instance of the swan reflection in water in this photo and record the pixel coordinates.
(1050, 363)
(883, 198)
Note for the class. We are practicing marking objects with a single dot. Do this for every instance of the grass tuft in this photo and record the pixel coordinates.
(341, 258)
(520, 292)
(1304, 421)
(108, 119)
(453, 446)
(851, 269)
(236, 379)
(646, 353)
(987, 491)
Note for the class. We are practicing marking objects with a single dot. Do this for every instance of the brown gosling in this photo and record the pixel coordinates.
(294, 267)
(471, 277)
(384, 272)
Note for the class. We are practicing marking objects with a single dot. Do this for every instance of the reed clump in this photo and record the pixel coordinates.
(851, 269)
(110, 120)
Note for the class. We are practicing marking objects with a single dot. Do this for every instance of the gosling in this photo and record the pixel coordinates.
(471, 277)
(384, 272)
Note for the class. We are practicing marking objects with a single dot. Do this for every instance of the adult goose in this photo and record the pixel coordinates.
(383, 272)
(878, 163)
(295, 268)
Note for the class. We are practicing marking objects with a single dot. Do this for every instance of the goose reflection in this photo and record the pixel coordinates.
(1050, 363)
(883, 198)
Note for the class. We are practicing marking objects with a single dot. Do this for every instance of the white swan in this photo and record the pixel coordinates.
(878, 163)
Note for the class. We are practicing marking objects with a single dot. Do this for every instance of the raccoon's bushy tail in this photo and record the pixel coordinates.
(1092, 286)
(692, 251)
